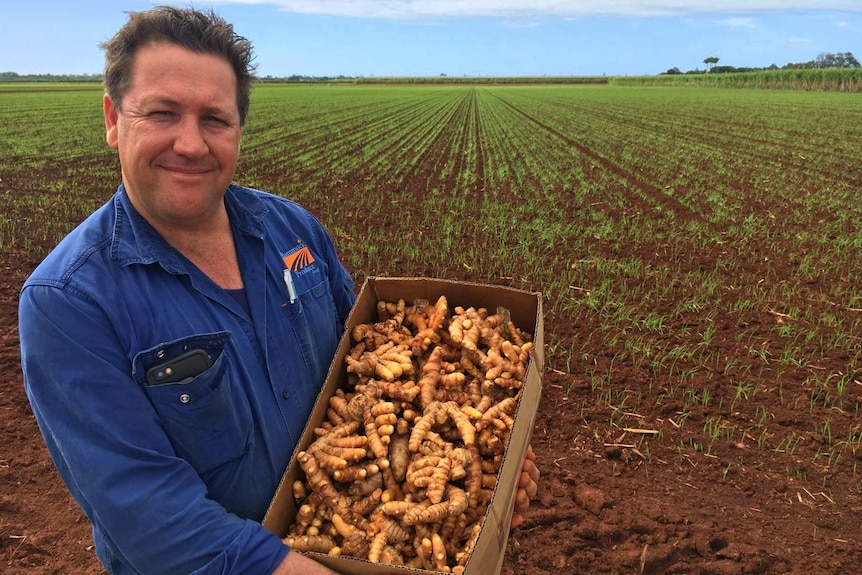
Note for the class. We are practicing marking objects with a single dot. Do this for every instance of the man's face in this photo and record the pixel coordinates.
(178, 135)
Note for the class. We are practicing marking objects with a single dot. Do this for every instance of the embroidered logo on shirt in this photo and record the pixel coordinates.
(299, 258)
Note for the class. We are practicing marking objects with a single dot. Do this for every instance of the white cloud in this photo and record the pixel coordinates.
(418, 9)
(738, 22)
(511, 23)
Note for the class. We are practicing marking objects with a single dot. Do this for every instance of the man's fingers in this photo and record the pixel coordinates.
(525, 482)
(532, 488)
(522, 501)
(517, 519)
(533, 470)
(527, 487)
(529, 474)
(534, 473)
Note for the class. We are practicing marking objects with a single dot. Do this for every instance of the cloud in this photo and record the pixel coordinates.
(738, 22)
(422, 9)
(522, 24)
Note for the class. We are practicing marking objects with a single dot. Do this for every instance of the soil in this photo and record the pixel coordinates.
(604, 505)
(622, 492)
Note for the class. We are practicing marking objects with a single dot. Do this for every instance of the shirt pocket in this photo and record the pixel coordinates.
(315, 324)
(207, 418)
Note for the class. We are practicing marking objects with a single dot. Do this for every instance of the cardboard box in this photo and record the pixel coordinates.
(526, 312)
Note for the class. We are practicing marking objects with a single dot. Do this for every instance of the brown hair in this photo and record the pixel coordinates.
(201, 32)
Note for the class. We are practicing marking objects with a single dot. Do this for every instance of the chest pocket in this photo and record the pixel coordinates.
(206, 417)
(314, 321)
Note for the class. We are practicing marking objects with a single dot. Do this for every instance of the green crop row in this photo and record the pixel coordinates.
(697, 249)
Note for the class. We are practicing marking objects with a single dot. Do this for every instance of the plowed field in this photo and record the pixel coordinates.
(698, 252)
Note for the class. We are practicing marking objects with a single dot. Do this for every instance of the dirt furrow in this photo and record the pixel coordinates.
(652, 195)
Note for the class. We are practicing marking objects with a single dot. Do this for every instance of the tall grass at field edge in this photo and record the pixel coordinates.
(825, 80)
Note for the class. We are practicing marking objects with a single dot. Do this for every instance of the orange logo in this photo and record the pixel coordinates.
(297, 260)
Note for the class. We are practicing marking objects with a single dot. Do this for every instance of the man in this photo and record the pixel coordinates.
(174, 343)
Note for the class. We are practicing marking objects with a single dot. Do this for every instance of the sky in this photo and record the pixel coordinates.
(458, 37)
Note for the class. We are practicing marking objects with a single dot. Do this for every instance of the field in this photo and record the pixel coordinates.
(698, 251)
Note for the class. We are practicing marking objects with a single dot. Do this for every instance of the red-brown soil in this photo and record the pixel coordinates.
(602, 507)
(623, 490)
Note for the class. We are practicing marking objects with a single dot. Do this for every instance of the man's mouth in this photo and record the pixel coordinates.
(186, 170)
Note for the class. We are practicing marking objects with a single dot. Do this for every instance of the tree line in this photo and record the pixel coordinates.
(15, 77)
(823, 61)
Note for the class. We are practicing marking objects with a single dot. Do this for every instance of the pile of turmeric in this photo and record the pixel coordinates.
(403, 469)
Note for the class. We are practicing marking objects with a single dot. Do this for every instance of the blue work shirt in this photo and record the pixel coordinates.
(176, 477)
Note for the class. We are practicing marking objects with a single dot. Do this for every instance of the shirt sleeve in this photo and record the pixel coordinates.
(114, 456)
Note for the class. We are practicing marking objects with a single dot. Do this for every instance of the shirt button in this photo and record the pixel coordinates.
(285, 394)
(185, 398)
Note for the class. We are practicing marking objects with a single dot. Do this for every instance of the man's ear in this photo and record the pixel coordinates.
(111, 120)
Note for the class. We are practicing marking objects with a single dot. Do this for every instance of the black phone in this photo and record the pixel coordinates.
(187, 365)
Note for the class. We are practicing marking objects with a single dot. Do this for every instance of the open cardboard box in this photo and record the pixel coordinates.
(526, 312)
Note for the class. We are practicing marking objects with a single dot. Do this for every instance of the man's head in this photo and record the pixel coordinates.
(200, 32)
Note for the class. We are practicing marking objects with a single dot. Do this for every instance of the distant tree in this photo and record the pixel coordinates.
(710, 61)
(15, 77)
(673, 71)
(851, 61)
(838, 60)
(826, 60)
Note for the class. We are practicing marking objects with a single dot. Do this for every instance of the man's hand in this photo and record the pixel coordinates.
(527, 487)
(297, 564)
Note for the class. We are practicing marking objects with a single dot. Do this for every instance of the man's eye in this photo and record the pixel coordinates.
(215, 120)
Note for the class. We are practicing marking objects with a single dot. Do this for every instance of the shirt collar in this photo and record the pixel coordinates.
(134, 240)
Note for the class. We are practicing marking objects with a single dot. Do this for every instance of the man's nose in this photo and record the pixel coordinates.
(190, 139)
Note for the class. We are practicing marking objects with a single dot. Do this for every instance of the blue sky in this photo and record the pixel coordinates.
(459, 37)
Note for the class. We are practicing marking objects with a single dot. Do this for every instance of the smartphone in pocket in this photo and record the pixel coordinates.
(189, 364)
